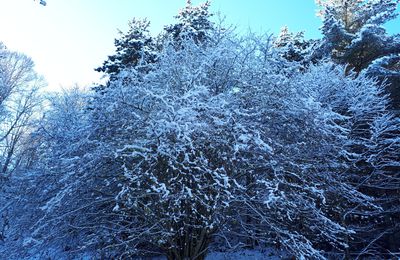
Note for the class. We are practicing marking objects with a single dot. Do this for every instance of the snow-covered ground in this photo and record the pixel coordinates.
(240, 255)
(270, 254)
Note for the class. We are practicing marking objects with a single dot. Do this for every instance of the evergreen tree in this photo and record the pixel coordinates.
(354, 35)
(136, 48)
(193, 23)
(295, 48)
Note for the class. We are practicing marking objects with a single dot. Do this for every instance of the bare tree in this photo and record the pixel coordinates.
(19, 103)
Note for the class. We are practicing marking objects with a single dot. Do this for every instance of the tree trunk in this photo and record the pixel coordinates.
(190, 246)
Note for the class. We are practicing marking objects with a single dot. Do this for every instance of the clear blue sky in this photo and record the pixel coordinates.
(67, 39)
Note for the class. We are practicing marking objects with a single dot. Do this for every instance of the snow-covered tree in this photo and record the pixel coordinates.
(294, 47)
(221, 144)
(354, 35)
(382, 228)
(193, 22)
(372, 131)
(135, 48)
(73, 191)
(354, 31)
(19, 103)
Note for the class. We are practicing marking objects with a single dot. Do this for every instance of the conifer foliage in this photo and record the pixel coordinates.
(134, 48)
(354, 36)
